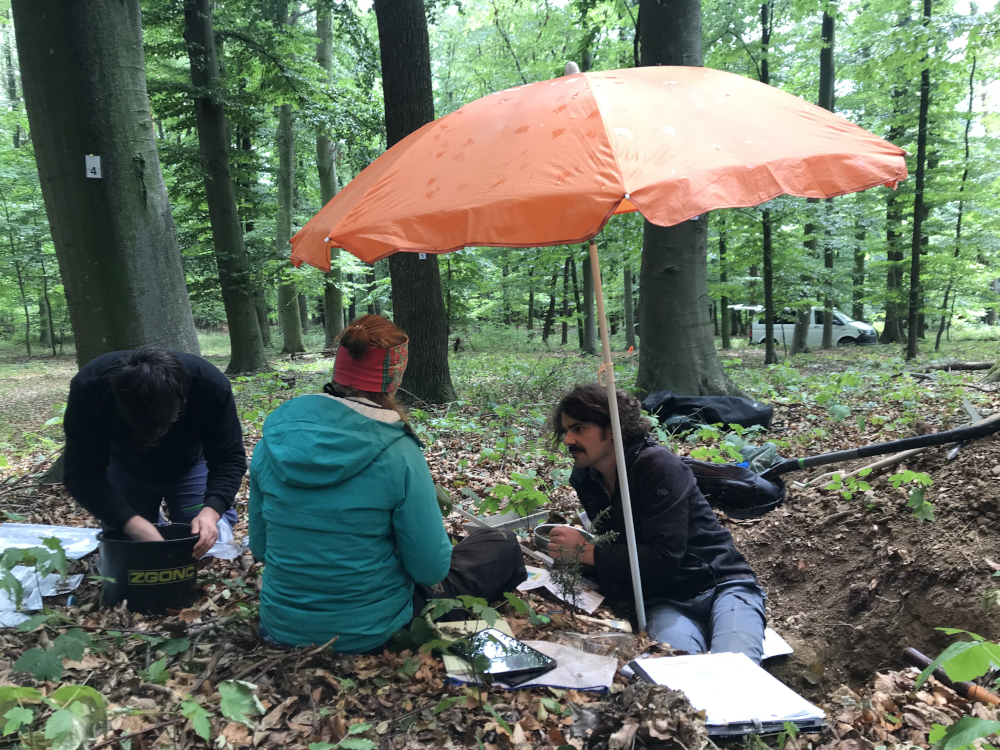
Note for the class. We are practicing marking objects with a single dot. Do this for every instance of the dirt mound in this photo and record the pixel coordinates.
(851, 583)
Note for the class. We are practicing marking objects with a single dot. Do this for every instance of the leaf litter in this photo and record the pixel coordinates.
(850, 583)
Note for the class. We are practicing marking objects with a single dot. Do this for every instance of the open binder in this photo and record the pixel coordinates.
(738, 697)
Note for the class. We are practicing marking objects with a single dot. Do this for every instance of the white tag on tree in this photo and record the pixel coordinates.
(93, 166)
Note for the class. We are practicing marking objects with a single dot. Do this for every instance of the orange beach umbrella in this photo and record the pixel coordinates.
(550, 162)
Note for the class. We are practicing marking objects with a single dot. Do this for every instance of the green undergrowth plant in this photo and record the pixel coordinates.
(964, 661)
(848, 486)
(923, 510)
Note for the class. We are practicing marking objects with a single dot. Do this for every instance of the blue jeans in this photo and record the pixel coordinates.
(727, 618)
(185, 496)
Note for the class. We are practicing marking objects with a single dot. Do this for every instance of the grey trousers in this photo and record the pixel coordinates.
(727, 618)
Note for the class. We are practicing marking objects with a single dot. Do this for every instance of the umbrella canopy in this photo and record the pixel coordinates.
(549, 163)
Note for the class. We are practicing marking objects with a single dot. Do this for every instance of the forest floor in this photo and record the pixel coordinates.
(851, 581)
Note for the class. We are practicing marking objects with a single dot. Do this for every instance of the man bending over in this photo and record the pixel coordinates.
(700, 593)
(149, 425)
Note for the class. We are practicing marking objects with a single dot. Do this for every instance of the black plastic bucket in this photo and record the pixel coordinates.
(151, 577)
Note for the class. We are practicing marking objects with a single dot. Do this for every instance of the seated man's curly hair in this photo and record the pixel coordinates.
(589, 403)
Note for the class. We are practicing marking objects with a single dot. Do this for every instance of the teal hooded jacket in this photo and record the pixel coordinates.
(344, 516)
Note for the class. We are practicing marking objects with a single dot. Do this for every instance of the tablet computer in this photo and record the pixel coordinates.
(510, 660)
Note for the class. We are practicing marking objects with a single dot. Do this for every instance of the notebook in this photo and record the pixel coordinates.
(738, 697)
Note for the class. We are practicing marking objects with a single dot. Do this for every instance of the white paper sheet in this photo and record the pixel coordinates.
(730, 688)
(588, 600)
(775, 645)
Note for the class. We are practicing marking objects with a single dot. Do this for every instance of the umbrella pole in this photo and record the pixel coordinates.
(616, 432)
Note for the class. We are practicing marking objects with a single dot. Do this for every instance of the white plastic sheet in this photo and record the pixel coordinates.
(76, 541)
(35, 587)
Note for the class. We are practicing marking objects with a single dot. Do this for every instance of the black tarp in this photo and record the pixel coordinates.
(678, 412)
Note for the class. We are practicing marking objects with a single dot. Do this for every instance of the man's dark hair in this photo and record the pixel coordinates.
(149, 387)
(589, 403)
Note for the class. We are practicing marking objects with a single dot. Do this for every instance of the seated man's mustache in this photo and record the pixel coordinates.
(576, 449)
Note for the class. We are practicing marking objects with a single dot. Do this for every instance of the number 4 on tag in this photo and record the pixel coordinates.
(93, 166)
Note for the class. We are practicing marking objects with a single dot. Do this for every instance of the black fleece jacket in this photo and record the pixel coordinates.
(208, 428)
(683, 550)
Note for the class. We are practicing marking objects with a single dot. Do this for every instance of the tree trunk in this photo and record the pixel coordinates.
(83, 75)
(629, 311)
(246, 340)
(576, 303)
(565, 305)
(370, 277)
(678, 350)
(48, 304)
(263, 319)
(918, 201)
(770, 353)
(673, 272)
(827, 81)
(304, 311)
(352, 309)
(858, 278)
(44, 331)
(589, 332)
(726, 322)
(288, 295)
(961, 206)
(417, 304)
(550, 316)
(892, 333)
(531, 298)
(12, 97)
(326, 165)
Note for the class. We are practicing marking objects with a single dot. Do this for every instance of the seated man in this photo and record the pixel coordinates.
(699, 591)
(147, 425)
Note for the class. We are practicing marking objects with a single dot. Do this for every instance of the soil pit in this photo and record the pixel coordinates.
(851, 583)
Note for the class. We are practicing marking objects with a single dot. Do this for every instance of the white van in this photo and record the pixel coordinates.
(846, 330)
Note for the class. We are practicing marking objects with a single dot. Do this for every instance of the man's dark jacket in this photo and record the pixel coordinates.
(208, 427)
(683, 550)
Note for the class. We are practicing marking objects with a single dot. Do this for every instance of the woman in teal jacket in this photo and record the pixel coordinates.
(342, 506)
(344, 515)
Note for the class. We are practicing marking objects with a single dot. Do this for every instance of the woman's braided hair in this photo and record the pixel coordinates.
(589, 403)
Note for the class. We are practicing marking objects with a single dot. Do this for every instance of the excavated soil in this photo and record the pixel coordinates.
(851, 583)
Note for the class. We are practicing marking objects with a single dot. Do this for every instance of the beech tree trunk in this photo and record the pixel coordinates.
(827, 80)
(246, 340)
(550, 316)
(589, 332)
(858, 278)
(565, 305)
(892, 333)
(417, 303)
(326, 165)
(961, 207)
(629, 311)
(11, 75)
(576, 303)
(678, 349)
(726, 324)
(770, 354)
(288, 295)
(83, 77)
(918, 202)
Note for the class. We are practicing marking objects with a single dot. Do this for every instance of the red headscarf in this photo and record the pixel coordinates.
(376, 371)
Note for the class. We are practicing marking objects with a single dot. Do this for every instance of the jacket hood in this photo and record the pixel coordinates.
(319, 441)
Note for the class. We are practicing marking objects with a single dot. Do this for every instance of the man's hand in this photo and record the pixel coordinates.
(204, 526)
(141, 530)
(565, 543)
